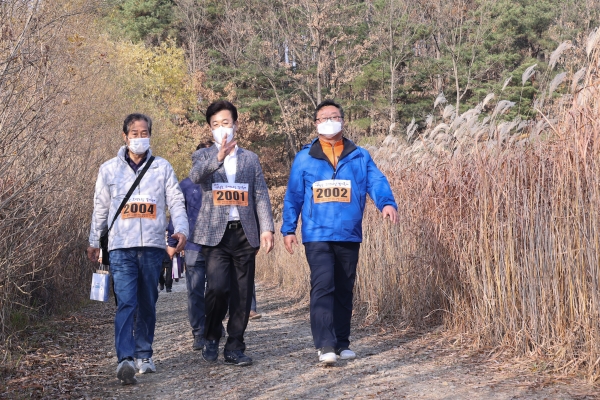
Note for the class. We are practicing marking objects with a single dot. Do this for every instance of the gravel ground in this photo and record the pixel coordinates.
(390, 364)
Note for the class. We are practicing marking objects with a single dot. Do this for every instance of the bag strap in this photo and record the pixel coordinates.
(130, 192)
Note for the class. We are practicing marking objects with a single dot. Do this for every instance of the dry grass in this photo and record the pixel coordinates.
(59, 119)
(499, 240)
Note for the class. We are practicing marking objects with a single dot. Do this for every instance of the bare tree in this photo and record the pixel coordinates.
(52, 139)
(324, 50)
(397, 31)
(307, 50)
(459, 33)
(195, 28)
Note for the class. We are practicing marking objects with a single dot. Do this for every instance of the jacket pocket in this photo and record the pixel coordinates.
(352, 228)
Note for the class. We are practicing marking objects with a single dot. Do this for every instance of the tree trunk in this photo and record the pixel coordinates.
(455, 68)
(319, 66)
(288, 129)
(439, 82)
(392, 89)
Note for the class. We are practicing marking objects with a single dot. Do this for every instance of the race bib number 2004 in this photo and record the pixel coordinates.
(230, 194)
(332, 190)
(139, 206)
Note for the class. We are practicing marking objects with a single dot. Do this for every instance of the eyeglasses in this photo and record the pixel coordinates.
(336, 118)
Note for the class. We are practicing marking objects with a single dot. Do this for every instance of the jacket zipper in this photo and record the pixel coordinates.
(135, 174)
(139, 193)
(332, 177)
(335, 171)
(141, 227)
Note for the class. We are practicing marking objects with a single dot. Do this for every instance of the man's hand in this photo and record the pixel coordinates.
(171, 251)
(180, 237)
(289, 241)
(226, 148)
(389, 211)
(93, 253)
(266, 241)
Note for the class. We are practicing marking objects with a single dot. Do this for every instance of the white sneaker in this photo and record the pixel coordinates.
(327, 358)
(346, 354)
(126, 372)
(146, 365)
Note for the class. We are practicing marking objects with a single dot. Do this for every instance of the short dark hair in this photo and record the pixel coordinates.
(131, 118)
(326, 103)
(205, 144)
(220, 106)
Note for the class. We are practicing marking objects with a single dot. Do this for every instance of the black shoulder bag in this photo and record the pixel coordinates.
(104, 237)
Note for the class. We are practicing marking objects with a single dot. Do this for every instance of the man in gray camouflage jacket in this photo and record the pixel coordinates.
(234, 222)
(136, 242)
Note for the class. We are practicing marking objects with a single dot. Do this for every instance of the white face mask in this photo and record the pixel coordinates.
(329, 128)
(139, 145)
(221, 132)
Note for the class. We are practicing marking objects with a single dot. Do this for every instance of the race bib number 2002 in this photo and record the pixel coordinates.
(332, 190)
(140, 206)
(230, 194)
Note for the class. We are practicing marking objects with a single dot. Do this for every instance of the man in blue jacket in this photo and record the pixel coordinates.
(195, 272)
(328, 185)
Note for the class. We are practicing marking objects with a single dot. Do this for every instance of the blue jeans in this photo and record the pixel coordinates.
(135, 274)
(195, 278)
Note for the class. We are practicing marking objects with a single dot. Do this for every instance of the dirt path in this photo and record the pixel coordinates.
(390, 365)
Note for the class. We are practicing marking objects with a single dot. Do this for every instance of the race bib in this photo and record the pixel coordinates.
(230, 194)
(332, 190)
(140, 206)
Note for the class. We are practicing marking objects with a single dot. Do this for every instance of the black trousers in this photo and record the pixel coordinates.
(230, 269)
(332, 276)
(166, 275)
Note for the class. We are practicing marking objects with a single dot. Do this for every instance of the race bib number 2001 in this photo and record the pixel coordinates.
(230, 194)
(139, 206)
(332, 190)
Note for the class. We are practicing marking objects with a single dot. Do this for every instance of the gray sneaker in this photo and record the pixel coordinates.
(146, 365)
(198, 342)
(236, 357)
(126, 372)
(210, 352)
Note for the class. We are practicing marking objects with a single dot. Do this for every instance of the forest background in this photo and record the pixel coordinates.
(482, 113)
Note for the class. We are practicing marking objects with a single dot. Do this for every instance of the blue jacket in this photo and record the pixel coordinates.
(192, 194)
(332, 221)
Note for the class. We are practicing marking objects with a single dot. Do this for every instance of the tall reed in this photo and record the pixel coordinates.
(59, 120)
(499, 233)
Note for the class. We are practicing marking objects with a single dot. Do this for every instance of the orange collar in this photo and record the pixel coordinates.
(333, 152)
